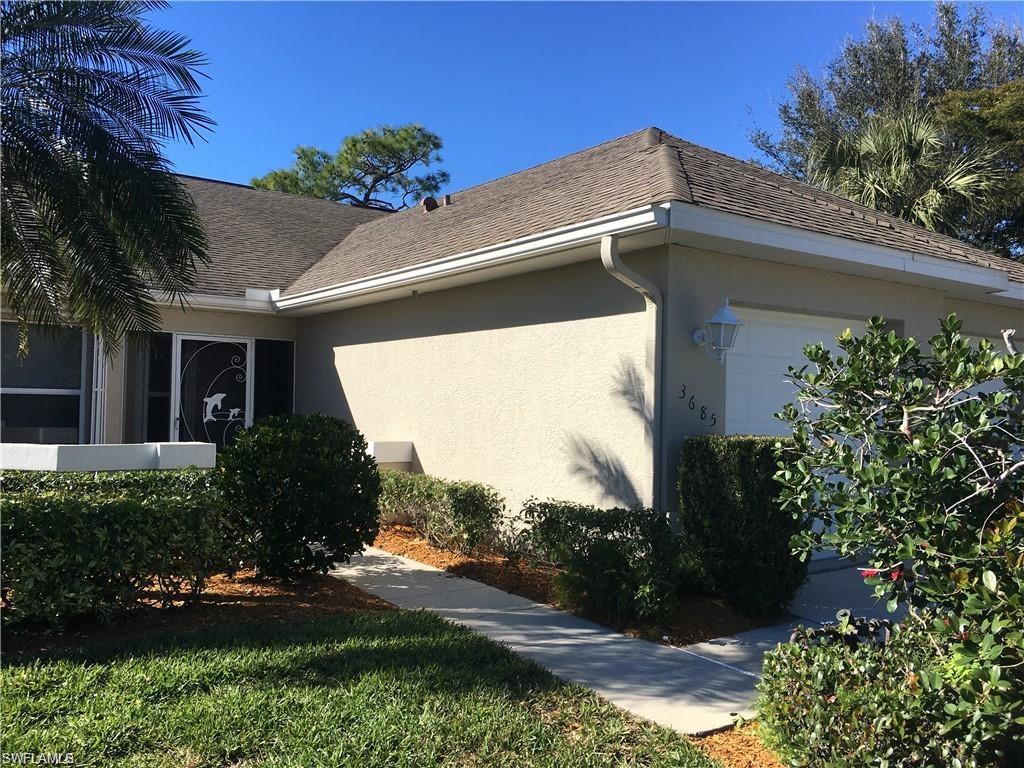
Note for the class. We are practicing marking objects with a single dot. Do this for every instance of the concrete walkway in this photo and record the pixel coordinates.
(826, 592)
(693, 690)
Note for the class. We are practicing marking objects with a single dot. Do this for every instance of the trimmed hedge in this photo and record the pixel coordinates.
(145, 482)
(734, 536)
(79, 543)
(300, 492)
(836, 704)
(457, 515)
(618, 564)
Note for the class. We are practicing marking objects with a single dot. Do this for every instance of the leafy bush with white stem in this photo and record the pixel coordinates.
(914, 459)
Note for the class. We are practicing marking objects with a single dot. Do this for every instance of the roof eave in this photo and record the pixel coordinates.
(685, 223)
(256, 301)
(698, 226)
(533, 248)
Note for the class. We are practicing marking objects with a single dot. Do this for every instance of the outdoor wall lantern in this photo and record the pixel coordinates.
(718, 335)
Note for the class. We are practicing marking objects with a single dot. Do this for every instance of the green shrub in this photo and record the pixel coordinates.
(911, 458)
(617, 564)
(455, 515)
(300, 492)
(734, 534)
(77, 543)
(144, 482)
(830, 704)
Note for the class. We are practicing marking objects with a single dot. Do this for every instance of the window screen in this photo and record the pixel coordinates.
(41, 394)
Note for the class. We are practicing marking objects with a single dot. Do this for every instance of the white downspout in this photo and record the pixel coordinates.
(655, 495)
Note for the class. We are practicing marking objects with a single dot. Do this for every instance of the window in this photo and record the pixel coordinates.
(41, 395)
(158, 388)
(273, 378)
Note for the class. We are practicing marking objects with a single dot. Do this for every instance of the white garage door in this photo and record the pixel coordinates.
(768, 343)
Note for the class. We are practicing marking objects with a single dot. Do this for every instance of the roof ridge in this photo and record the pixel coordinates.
(558, 159)
(669, 162)
(214, 181)
(289, 195)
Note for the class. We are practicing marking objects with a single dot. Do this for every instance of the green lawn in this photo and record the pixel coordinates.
(360, 689)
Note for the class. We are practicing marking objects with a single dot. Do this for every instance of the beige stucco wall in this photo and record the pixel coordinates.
(699, 282)
(528, 383)
(190, 321)
(534, 383)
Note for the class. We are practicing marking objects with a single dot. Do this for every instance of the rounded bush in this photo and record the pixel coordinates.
(616, 564)
(301, 493)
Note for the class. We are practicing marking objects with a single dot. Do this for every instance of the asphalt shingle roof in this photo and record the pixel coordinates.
(263, 239)
(649, 166)
(724, 183)
(609, 178)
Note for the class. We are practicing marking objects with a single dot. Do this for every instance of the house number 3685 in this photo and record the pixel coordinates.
(691, 403)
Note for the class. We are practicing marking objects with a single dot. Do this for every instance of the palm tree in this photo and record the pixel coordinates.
(93, 221)
(906, 165)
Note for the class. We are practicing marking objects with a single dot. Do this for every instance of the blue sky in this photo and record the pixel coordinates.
(507, 85)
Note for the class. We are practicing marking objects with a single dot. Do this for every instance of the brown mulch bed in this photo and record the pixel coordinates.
(531, 583)
(738, 748)
(227, 599)
(697, 619)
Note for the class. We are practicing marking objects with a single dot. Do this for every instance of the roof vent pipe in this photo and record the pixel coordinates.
(446, 201)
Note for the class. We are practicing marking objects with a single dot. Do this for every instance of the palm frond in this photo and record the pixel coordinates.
(905, 165)
(93, 220)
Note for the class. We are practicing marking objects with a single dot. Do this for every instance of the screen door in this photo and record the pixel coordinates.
(212, 388)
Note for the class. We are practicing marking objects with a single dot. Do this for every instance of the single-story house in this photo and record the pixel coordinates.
(535, 332)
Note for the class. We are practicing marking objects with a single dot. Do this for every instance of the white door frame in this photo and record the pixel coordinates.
(250, 353)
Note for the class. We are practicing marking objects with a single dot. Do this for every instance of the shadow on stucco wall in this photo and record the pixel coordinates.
(629, 386)
(598, 465)
(319, 387)
(514, 302)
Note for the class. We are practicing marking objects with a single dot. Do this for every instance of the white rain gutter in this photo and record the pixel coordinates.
(656, 495)
(256, 300)
(588, 233)
(674, 216)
